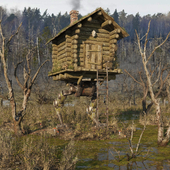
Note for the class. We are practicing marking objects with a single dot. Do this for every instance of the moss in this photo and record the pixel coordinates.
(71, 67)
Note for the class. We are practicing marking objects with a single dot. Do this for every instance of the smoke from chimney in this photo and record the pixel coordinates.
(75, 4)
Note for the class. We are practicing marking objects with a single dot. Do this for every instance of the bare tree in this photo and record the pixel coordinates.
(26, 87)
(163, 138)
(144, 85)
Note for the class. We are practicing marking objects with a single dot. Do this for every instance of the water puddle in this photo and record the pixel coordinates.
(108, 158)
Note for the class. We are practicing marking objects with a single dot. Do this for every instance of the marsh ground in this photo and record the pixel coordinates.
(81, 145)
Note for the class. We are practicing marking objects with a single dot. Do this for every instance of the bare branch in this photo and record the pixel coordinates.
(153, 71)
(35, 76)
(138, 40)
(132, 77)
(15, 74)
(158, 47)
(146, 38)
(28, 67)
(137, 147)
(12, 36)
(142, 82)
(158, 77)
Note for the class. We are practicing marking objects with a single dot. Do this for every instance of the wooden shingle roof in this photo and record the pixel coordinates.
(105, 16)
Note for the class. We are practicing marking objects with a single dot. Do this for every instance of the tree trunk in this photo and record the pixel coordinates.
(146, 109)
(17, 127)
(160, 123)
(167, 90)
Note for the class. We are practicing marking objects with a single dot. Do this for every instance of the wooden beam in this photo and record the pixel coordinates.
(99, 13)
(91, 25)
(116, 31)
(77, 31)
(89, 19)
(114, 36)
(79, 25)
(113, 41)
(75, 36)
(106, 23)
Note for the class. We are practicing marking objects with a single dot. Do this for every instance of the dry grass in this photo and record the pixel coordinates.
(34, 153)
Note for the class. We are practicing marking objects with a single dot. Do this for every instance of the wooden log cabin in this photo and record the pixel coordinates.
(86, 45)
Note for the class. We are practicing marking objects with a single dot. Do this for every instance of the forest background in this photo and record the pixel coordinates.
(37, 28)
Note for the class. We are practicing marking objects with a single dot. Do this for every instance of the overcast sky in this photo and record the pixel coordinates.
(144, 7)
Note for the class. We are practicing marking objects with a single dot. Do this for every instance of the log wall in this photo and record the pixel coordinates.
(69, 52)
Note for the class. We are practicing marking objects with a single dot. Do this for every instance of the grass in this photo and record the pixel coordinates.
(41, 148)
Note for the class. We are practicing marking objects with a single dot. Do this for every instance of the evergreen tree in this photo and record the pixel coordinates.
(116, 16)
(136, 22)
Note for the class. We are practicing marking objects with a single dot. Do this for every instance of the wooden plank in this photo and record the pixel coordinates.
(112, 50)
(113, 41)
(77, 31)
(106, 23)
(62, 61)
(103, 31)
(55, 53)
(109, 64)
(101, 35)
(69, 58)
(67, 37)
(89, 19)
(99, 13)
(93, 56)
(75, 36)
(54, 45)
(89, 25)
(82, 63)
(106, 48)
(106, 53)
(81, 59)
(75, 41)
(61, 56)
(89, 30)
(61, 44)
(74, 46)
(112, 54)
(87, 58)
(113, 46)
(108, 58)
(98, 39)
(68, 45)
(61, 52)
(55, 49)
(103, 39)
(116, 31)
(75, 66)
(68, 40)
(74, 50)
(61, 48)
(68, 49)
(79, 25)
(114, 36)
(105, 44)
(99, 56)
(75, 60)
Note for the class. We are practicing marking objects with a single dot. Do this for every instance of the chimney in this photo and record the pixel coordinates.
(73, 16)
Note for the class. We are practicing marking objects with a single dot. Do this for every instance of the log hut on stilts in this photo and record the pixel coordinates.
(85, 47)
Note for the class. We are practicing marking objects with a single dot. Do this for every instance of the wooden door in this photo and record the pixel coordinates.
(93, 56)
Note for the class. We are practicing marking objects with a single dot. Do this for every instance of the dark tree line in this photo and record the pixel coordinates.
(37, 28)
(34, 22)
